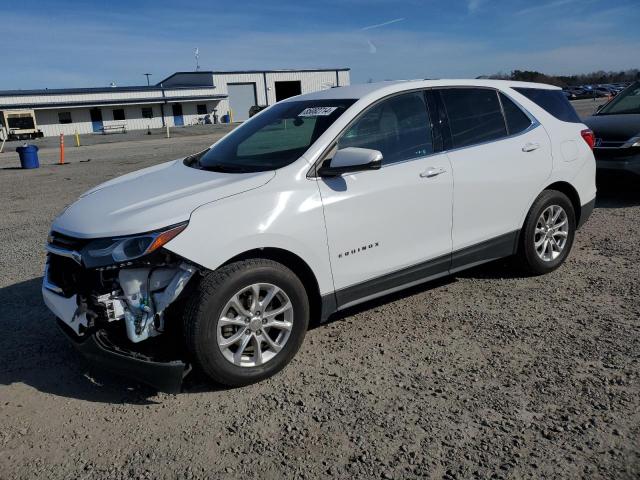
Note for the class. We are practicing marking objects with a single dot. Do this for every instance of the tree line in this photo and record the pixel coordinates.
(569, 80)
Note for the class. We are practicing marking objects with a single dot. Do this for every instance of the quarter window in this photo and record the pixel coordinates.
(517, 120)
(398, 127)
(474, 115)
(553, 101)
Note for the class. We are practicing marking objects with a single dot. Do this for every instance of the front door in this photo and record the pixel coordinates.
(392, 226)
(96, 119)
(178, 119)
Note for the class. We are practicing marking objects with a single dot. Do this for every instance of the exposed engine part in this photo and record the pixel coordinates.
(146, 293)
(145, 305)
(114, 307)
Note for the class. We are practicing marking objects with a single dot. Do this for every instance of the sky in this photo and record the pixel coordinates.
(71, 43)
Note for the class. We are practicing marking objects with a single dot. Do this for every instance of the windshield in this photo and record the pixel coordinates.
(627, 101)
(273, 139)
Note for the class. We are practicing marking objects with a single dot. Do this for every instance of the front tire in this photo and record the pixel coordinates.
(245, 321)
(548, 233)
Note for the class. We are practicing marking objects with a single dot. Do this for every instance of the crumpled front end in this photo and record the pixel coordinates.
(119, 315)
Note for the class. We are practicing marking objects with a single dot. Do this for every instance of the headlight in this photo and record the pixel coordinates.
(107, 251)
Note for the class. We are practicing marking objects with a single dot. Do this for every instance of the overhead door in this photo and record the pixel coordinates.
(242, 96)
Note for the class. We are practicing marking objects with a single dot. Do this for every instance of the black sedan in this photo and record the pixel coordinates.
(616, 126)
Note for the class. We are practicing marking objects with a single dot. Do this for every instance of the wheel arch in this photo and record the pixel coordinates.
(570, 191)
(299, 267)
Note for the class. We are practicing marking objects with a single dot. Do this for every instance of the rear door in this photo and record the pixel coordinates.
(392, 226)
(500, 158)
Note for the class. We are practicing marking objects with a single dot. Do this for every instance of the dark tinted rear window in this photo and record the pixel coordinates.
(553, 101)
(474, 115)
(517, 120)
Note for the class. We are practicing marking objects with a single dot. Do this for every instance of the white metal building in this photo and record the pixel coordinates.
(91, 109)
(246, 88)
(181, 99)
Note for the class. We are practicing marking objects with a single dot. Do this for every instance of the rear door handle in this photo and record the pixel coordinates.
(530, 147)
(432, 172)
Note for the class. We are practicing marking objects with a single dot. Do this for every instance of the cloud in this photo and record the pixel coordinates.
(545, 6)
(474, 5)
(378, 25)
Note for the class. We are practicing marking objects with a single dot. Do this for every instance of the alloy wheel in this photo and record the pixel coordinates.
(255, 325)
(551, 233)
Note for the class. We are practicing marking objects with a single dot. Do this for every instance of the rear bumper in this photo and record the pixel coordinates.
(585, 212)
(102, 352)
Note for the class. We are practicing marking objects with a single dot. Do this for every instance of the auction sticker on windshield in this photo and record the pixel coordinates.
(317, 111)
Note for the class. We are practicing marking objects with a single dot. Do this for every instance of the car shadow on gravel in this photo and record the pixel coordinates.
(389, 298)
(617, 191)
(34, 352)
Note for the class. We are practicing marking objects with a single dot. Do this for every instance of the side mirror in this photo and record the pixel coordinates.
(350, 160)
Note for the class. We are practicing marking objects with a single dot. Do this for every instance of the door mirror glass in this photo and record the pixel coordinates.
(349, 160)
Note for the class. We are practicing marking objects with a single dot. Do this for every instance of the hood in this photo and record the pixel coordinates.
(614, 127)
(150, 199)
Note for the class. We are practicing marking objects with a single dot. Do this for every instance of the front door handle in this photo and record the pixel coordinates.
(530, 147)
(432, 172)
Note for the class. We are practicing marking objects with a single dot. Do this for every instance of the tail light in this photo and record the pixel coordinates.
(589, 137)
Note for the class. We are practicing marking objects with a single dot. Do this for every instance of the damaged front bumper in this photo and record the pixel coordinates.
(119, 323)
(99, 349)
(111, 353)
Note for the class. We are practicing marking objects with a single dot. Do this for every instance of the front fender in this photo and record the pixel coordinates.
(268, 217)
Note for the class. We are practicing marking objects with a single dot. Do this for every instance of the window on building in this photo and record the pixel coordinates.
(517, 120)
(147, 112)
(118, 114)
(64, 117)
(553, 101)
(398, 127)
(474, 115)
(202, 109)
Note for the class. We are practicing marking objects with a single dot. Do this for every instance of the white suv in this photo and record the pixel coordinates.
(319, 202)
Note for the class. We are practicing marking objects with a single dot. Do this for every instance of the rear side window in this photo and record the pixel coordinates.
(553, 101)
(398, 127)
(474, 115)
(517, 120)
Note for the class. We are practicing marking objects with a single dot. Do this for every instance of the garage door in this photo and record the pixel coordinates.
(242, 96)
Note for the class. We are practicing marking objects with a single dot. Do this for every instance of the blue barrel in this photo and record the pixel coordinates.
(28, 156)
(226, 119)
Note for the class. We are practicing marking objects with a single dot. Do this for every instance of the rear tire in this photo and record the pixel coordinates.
(548, 233)
(237, 340)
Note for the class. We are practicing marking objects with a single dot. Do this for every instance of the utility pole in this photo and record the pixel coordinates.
(148, 75)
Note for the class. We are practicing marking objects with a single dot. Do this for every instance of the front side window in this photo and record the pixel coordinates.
(273, 139)
(517, 120)
(118, 114)
(626, 102)
(553, 101)
(474, 115)
(398, 127)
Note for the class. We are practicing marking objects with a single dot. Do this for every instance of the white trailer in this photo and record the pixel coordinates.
(19, 124)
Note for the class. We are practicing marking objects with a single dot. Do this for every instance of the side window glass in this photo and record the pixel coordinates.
(517, 120)
(398, 127)
(474, 115)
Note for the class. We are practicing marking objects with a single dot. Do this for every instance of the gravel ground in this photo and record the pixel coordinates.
(484, 374)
